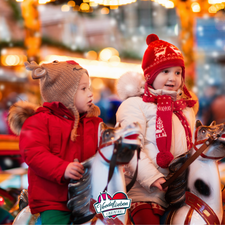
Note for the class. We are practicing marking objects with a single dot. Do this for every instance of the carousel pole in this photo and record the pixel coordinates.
(32, 29)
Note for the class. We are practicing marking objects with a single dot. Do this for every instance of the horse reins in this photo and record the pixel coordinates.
(198, 152)
(112, 163)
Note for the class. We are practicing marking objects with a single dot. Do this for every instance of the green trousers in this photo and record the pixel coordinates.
(51, 217)
(5, 217)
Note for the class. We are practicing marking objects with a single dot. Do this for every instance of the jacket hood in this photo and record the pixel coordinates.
(18, 113)
(21, 110)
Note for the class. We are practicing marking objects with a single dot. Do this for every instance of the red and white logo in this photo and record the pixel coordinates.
(112, 206)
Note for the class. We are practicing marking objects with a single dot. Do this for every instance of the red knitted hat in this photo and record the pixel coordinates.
(158, 56)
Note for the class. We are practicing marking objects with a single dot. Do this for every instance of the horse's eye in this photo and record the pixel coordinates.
(203, 131)
(107, 134)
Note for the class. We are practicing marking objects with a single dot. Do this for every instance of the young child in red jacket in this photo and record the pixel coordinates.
(52, 136)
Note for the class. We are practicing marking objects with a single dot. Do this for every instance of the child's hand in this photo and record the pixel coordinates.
(74, 171)
(158, 183)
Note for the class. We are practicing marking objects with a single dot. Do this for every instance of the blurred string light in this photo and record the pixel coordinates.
(195, 7)
(41, 2)
(84, 7)
(13, 60)
(91, 55)
(105, 11)
(113, 2)
(71, 3)
(215, 1)
(216, 5)
(12, 57)
(166, 3)
(107, 53)
(65, 8)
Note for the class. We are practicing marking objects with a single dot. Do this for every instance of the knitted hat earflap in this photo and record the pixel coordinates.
(76, 122)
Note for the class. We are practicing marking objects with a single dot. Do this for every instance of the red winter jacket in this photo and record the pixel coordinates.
(47, 149)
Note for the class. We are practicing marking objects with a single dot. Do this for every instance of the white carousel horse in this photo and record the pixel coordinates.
(118, 144)
(203, 197)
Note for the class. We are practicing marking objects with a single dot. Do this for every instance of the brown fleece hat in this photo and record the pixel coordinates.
(59, 82)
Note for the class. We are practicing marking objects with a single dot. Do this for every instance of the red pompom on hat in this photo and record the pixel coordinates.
(151, 38)
(158, 56)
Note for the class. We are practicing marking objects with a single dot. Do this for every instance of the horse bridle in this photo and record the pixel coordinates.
(205, 143)
(113, 163)
(214, 136)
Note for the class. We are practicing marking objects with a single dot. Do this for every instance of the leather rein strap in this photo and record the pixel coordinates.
(208, 142)
(113, 164)
(113, 161)
(131, 184)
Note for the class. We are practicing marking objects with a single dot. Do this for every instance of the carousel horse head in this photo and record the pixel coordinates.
(103, 172)
(195, 194)
(214, 131)
(124, 141)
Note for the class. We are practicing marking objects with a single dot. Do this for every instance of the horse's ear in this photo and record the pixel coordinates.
(213, 123)
(198, 123)
(118, 125)
(103, 126)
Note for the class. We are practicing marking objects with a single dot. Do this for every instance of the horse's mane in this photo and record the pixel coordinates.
(175, 195)
(79, 193)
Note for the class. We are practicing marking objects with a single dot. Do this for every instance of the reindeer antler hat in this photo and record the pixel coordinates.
(59, 82)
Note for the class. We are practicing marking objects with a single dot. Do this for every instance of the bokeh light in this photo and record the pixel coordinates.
(104, 10)
(71, 3)
(195, 7)
(65, 8)
(84, 7)
(97, 84)
(92, 55)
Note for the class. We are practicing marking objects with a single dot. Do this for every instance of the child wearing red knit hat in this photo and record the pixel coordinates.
(53, 135)
(163, 107)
